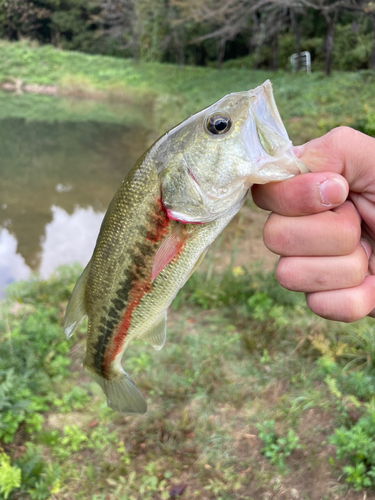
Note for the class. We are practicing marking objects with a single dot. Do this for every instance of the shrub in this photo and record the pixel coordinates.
(357, 444)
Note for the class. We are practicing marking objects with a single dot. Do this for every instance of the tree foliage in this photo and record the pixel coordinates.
(200, 31)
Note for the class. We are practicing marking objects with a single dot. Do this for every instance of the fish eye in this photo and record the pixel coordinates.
(218, 123)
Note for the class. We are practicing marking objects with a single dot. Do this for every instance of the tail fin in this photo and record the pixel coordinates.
(122, 394)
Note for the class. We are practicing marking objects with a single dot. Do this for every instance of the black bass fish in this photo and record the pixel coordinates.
(172, 205)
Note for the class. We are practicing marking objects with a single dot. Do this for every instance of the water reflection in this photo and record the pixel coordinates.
(12, 265)
(69, 238)
(56, 181)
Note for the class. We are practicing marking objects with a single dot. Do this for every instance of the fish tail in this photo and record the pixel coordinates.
(121, 392)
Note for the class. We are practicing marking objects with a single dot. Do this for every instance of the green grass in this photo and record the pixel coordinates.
(309, 104)
(251, 397)
(242, 399)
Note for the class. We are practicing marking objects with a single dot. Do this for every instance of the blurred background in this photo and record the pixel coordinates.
(252, 396)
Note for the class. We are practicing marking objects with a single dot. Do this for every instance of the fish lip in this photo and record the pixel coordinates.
(263, 112)
(171, 216)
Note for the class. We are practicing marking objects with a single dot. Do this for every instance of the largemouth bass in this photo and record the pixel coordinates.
(175, 201)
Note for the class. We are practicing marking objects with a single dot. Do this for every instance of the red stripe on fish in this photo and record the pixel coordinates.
(159, 225)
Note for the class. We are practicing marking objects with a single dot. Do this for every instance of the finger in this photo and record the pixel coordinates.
(346, 305)
(302, 195)
(344, 151)
(317, 274)
(368, 237)
(366, 207)
(336, 232)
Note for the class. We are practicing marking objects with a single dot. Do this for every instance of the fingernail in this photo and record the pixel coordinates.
(367, 247)
(332, 192)
(297, 150)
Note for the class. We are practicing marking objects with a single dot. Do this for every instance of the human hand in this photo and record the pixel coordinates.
(323, 225)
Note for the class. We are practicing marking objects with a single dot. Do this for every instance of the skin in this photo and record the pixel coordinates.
(323, 225)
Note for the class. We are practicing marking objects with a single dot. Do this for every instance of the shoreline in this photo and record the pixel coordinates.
(18, 87)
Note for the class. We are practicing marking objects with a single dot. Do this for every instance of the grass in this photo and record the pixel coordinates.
(252, 396)
(242, 399)
(309, 104)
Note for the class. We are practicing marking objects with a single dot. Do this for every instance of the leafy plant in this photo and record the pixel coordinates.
(276, 448)
(73, 400)
(39, 480)
(357, 444)
(10, 476)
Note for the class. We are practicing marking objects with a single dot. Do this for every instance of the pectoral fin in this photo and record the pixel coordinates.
(170, 247)
(75, 312)
(156, 335)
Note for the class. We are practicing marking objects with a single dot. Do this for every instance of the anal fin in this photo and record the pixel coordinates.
(157, 334)
(199, 261)
(75, 312)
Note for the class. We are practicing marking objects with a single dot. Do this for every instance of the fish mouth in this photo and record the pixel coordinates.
(269, 149)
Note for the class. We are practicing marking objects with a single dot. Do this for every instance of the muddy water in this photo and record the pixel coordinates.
(56, 181)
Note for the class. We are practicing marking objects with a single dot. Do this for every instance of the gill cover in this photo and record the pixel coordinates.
(218, 153)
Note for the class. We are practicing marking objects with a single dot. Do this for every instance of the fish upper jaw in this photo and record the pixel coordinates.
(269, 150)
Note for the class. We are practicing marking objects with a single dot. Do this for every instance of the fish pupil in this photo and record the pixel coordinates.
(218, 124)
(221, 125)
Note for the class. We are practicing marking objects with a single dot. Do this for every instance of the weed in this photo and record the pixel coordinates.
(10, 477)
(73, 400)
(39, 480)
(358, 445)
(276, 448)
(257, 351)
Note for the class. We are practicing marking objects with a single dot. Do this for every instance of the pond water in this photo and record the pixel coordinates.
(57, 178)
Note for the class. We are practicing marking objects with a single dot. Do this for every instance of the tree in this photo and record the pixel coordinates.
(223, 20)
(296, 28)
(23, 18)
(330, 10)
(138, 25)
(369, 9)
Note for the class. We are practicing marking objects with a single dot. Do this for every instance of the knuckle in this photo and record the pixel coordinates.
(353, 312)
(350, 232)
(321, 279)
(273, 236)
(285, 274)
(340, 134)
(346, 312)
(359, 268)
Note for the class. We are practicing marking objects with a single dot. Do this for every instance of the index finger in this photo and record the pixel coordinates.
(302, 195)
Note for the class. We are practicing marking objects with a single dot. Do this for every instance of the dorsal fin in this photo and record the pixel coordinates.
(75, 312)
(170, 247)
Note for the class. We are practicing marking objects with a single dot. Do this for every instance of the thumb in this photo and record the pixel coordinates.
(344, 151)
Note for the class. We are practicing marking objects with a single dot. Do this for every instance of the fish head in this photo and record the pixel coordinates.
(207, 164)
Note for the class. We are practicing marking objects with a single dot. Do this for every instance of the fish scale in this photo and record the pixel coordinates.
(173, 204)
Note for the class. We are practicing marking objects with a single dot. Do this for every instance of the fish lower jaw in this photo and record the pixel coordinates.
(181, 218)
